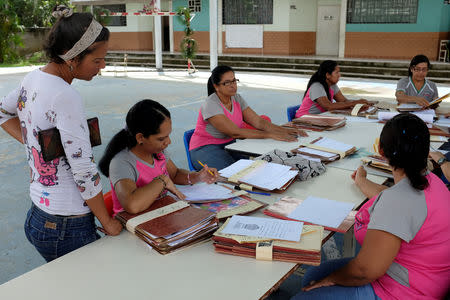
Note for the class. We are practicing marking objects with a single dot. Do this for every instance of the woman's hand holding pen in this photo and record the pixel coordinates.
(170, 186)
(208, 175)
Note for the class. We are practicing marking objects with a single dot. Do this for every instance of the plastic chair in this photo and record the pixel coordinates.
(291, 110)
(187, 138)
(107, 198)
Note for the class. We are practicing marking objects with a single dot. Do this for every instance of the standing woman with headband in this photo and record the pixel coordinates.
(66, 192)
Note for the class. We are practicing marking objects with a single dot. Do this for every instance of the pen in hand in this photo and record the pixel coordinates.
(209, 171)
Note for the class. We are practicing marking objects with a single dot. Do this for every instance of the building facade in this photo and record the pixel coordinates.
(390, 29)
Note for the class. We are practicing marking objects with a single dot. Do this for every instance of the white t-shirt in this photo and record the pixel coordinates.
(43, 101)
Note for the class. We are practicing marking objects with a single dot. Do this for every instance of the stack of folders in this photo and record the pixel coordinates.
(305, 251)
(259, 174)
(318, 122)
(333, 215)
(358, 110)
(377, 162)
(168, 224)
(326, 149)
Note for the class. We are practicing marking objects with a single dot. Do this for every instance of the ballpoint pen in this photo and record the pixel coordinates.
(251, 192)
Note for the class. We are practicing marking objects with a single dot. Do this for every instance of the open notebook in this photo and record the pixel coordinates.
(326, 149)
(259, 174)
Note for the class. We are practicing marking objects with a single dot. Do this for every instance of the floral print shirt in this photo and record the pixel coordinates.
(45, 101)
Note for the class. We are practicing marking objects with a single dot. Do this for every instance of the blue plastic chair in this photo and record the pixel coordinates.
(291, 110)
(187, 138)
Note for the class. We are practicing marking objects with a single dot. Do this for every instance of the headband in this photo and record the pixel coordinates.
(88, 38)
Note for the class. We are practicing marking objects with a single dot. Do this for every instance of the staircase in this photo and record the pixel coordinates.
(359, 68)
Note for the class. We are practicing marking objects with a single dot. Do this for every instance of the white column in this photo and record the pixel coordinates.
(171, 27)
(212, 34)
(157, 39)
(219, 26)
(342, 24)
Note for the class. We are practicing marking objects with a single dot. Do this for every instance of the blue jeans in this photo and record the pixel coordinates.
(215, 156)
(336, 292)
(54, 236)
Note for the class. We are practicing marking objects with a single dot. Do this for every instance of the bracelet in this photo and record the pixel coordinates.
(189, 178)
(162, 180)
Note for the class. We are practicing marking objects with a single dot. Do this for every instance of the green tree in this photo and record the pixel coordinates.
(36, 13)
(10, 29)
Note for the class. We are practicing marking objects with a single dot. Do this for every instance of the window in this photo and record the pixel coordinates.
(381, 11)
(116, 20)
(247, 11)
(195, 5)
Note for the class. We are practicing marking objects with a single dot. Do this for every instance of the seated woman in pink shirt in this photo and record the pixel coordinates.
(221, 120)
(139, 171)
(323, 94)
(404, 229)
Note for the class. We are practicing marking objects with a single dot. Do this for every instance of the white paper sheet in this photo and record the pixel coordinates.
(409, 106)
(265, 228)
(333, 144)
(385, 116)
(204, 191)
(271, 176)
(320, 211)
(236, 167)
(317, 152)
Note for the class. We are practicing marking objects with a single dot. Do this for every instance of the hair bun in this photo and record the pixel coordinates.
(62, 11)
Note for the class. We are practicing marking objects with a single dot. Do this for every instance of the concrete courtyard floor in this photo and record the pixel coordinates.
(110, 96)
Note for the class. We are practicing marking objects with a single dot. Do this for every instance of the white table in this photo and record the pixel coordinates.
(124, 267)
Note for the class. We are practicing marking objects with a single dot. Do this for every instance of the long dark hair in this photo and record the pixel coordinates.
(66, 32)
(405, 141)
(417, 60)
(327, 66)
(144, 117)
(216, 77)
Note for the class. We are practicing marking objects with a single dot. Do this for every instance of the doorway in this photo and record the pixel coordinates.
(327, 36)
(165, 33)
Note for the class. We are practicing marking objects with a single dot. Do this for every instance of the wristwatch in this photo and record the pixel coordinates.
(441, 161)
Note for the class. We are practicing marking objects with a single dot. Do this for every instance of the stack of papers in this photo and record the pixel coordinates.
(168, 225)
(426, 116)
(305, 251)
(326, 149)
(333, 215)
(317, 122)
(377, 162)
(260, 174)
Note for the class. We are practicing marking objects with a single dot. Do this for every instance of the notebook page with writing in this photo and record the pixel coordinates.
(320, 211)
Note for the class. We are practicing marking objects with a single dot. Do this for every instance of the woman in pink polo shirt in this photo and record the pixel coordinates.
(323, 94)
(221, 120)
(404, 229)
(138, 169)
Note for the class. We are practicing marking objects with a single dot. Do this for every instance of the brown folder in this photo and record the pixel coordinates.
(173, 230)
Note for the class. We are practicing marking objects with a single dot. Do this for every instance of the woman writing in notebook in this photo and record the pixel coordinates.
(139, 170)
(416, 88)
(323, 94)
(222, 118)
(403, 229)
(66, 192)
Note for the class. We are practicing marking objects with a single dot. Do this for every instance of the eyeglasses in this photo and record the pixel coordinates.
(420, 69)
(228, 83)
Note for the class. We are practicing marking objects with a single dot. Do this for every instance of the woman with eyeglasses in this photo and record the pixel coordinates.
(403, 230)
(322, 93)
(222, 118)
(416, 88)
